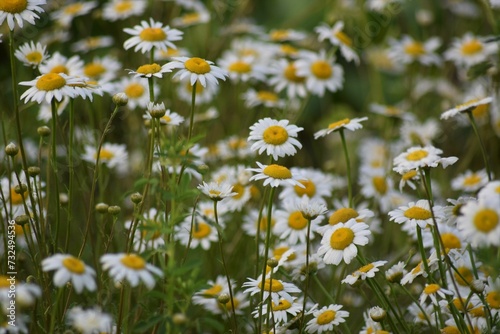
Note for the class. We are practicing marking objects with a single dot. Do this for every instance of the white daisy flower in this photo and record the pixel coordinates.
(196, 70)
(377, 185)
(409, 178)
(274, 175)
(207, 297)
(416, 213)
(52, 86)
(123, 9)
(419, 269)
(320, 71)
(480, 223)
(89, 321)
(466, 107)
(242, 68)
(470, 50)
(151, 35)
(346, 123)
(130, 267)
(112, 155)
(341, 240)
(170, 117)
(395, 273)
(199, 16)
(57, 63)
(273, 288)
(311, 209)
(70, 269)
(337, 37)
(280, 311)
(416, 133)
(463, 272)
(25, 296)
(291, 224)
(20, 11)
(268, 99)
(102, 69)
(199, 233)
(433, 292)
(283, 74)
(32, 54)
(150, 70)
(366, 271)
(65, 15)
(251, 222)
(92, 43)
(470, 181)
(326, 318)
(216, 191)
(408, 50)
(418, 157)
(137, 91)
(277, 138)
(396, 111)
(344, 214)
(490, 194)
(283, 35)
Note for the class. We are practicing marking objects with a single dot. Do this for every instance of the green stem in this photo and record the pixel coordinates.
(307, 275)
(481, 144)
(55, 169)
(348, 166)
(323, 289)
(54, 310)
(71, 170)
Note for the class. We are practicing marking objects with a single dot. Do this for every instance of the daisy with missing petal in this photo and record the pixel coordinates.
(340, 241)
(89, 321)
(480, 223)
(418, 157)
(408, 50)
(465, 107)
(470, 50)
(70, 269)
(266, 98)
(366, 271)
(336, 36)
(51, 86)
(123, 9)
(470, 181)
(274, 175)
(416, 213)
(321, 72)
(326, 318)
(277, 138)
(151, 35)
(346, 123)
(31, 54)
(196, 70)
(274, 288)
(130, 267)
(20, 11)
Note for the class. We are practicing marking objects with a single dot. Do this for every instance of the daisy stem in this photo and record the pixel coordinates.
(422, 252)
(323, 289)
(481, 144)
(418, 305)
(257, 235)
(55, 169)
(54, 312)
(348, 166)
(120, 311)
(266, 253)
(191, 116)
(307, 275)
(71, 170)
(235, 325)
(151, 90)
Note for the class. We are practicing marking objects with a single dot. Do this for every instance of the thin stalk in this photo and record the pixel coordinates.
(71, 170)
(54, 311)
(481, 144)
(323, 289)
(348, 166)
(55, 169)
(191, 126)
(307, 275)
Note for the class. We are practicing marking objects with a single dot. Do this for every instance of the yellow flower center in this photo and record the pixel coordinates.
(341, 238)
(326, 317)
(450, 241)
(288, 49)
(278, 35)
(59, 69)
(201, 230)
(291, 74)
(340, 123)
(4, 283)
(309, 188)
(342, 215)
(149, 235)
(481, 110)
(166, 118)
(34, 57)
(486, 220)
(74, 265)
(50, 81)
(133, 261)
(450, 330)
(228, 305)
(417, 155)
(197, 65)
(283, 305)
(472, 180)
(124, 6)
(190, 18)
(409, 175)
(275, 135)
(134, 90)
(239, 190)
(380, 184)
(493, 299)
(277, 172)
(240, 67)
(461, 304)
(416, 212)
(321, 69)
(431, 289)
(272, 285)
(15, 198)
(94, 70)
(263, 223)
(13, 6)
(297, 221)
(153, 35)
(477, 312)
(279, 251)
(343, 38)
(367, 268)
(199, 88)
(105, 155)
(149, 69)
(415, 49)
(472, 47)
(19, 229)
(464, 276)
(265, 95)
(213, 291)
(73, 9)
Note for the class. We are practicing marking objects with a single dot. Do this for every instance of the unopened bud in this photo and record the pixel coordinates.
(477, 286)
(136, 198)
(120, 99)
(101, 207)
(224, 298)
(20, 188)
(272, 262)
(114, 210)
(377, 314)
(22, 219)
(179, 318)
(63, 198)
(33, 171)
(156, 110)
(44, 131)
(11, 149)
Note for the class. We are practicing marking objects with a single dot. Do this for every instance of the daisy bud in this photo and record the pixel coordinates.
(33, 171)
(31, 279)
(120, 99)
(20, 189)
(377, 314)
(179, 319)
(156, 110)
(22, 219)
(477, 286)
(11, 149)
(102, 208)
(223, 298)
(136, 198)
(63, 198)
(272, 262)
(44, 131)
(114, 210)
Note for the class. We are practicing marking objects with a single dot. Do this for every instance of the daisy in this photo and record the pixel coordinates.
(395, 273)
(465, 107)
(137, 91)
(273, 288)
(377, 185)
(92, 43)
(57, 63)
(123, 9)
(204, 95)
(242, 68)
(346, 123)
(150, 70)
(170, 117)
(274, 175)
(391, 111)
(366, 271)
(70, 269)
(418, 157)
(198, 233)
(20, 11)
(51, 86)
(130, 267)
(418, 270)
(25, 296)
(112, 155)
(31, 54)
(311, 209)
(280, 311)
(251, 222)
(344, 214)
(492, 291)
(337, 37)
(102, 69)
(151, 35)
(416, 213)
(480, 223)
(191, 18)
(207, 297)
(299, 269)
(65, 15)
(277, 138)
(240, 302)
(266, 98)
(283, 74)
(282, 35)
(408, 178)
(408, 50)
(433, 291)
(197, 70)
(89, 321)
(291, 224)
(490, 194)
(340, 241)
(470, 50)
(216, 191)
(462, 274)
(326, 318)
(168, 54)
(416, 133)
(321, 72)
(470, 181)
